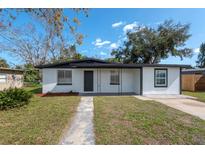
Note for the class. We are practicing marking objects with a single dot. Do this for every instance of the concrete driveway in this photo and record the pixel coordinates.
(180, 102)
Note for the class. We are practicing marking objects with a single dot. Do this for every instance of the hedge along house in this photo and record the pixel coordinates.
(10, 78)
(98, 76)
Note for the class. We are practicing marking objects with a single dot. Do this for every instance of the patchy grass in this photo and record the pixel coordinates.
(199, 95)
(127, 120)
(42, 121)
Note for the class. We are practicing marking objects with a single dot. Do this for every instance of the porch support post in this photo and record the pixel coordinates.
(141, 81)
(97, 82)
(121, 82)
(180, 78)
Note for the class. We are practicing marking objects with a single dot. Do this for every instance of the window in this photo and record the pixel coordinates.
(160, 76)
(114, 78)
(2, 78)
(64, 77)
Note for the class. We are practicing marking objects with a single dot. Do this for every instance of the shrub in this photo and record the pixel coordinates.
(15, 97)
(31, 75)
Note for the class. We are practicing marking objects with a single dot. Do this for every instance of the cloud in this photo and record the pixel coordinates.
(117, 24)
(129, 27)
(99, 43)
(113, 46)
(196, 50)
(103, 53)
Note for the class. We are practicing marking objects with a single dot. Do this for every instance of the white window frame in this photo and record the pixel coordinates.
(3, 78)
(114, 77)
(63, 80)
(158, 76)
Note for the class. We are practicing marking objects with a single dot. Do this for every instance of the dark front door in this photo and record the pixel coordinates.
(88, 80)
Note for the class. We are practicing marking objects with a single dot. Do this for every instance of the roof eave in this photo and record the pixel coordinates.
(114, 66)
(12, 70)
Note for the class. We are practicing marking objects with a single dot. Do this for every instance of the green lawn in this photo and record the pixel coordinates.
(42, 121)
(127, 120)
(199, 95)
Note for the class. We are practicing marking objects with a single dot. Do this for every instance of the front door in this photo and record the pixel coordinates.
(88, 80)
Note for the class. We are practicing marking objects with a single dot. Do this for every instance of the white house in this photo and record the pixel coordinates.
(10, 78)
(98, 76)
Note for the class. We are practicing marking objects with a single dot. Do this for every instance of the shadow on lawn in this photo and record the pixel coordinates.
(34, 90)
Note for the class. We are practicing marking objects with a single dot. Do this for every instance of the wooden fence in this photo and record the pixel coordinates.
(193, 82)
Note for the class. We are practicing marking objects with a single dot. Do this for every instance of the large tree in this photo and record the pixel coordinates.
(56, 40)
(34, 48)
(3, 63)
(150, 45)
(201, 56)
(54, 20)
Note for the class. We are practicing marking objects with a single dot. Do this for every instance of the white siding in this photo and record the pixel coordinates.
(136, 82)
(130, 81)
(173, 82)
(50, 82)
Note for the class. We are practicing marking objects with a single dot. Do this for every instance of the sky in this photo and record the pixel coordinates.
(105, 29)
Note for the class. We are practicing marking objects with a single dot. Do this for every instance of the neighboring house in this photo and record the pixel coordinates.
(193, 79)
(10, 78)
(98, 76)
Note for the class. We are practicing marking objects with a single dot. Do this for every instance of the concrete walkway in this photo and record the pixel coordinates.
(180, 102)
(81, 130)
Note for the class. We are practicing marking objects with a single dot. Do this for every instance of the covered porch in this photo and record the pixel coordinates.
(112, 81)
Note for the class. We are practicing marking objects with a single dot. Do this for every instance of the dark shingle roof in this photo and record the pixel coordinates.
(194, 71)
(3, 70)
(96, 63)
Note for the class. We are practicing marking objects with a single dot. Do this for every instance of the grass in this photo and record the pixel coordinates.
(199, 95)
(42, 121)
(127, 120)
